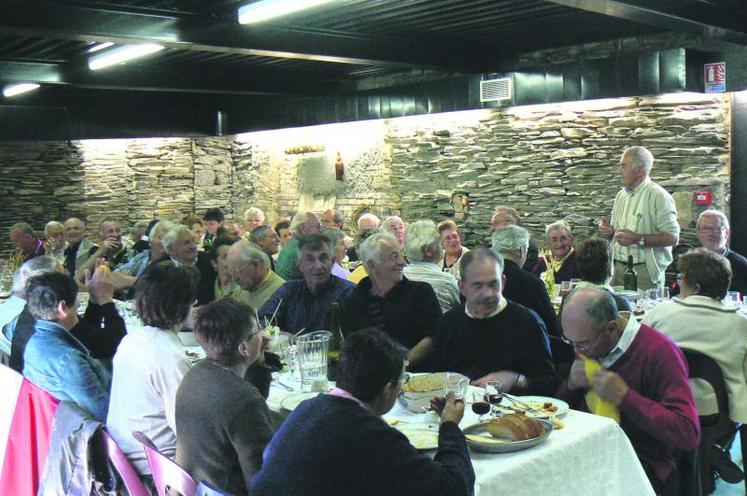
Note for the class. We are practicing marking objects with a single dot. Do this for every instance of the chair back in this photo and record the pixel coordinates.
(167, 474)
(704, 367)
(205, 488)
(713, 428)
(132, 482)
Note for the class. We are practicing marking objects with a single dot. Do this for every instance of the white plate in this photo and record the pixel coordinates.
(420, 436)
(290, 403)
(536, 402)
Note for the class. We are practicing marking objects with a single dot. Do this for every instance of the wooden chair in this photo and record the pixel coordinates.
(167, 474)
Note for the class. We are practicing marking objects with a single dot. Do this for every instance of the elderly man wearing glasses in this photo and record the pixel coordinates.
(713, 234)
(640, 374)
(249, 267)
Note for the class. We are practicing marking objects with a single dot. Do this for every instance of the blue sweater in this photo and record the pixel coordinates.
(332, 446)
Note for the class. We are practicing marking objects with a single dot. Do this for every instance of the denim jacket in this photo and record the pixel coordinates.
(57, 362)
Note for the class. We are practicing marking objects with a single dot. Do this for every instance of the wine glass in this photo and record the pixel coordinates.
(494, 392)
(480, 406)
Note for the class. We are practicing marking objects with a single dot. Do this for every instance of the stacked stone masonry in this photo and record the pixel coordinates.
(550, 162)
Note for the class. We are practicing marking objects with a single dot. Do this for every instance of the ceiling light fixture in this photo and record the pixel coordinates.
(121, 54)
(269, 9)
(17, 89)
(100, 46)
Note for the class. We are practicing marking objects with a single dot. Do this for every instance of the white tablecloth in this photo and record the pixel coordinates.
(590, 456)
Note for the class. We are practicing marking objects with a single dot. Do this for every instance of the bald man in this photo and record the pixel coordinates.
(643, 374)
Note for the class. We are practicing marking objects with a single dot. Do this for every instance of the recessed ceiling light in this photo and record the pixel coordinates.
(100, 46)
(269, 9)
(17, 89)
(121, 54)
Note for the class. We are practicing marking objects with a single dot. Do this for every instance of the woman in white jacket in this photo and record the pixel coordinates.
(151, 362)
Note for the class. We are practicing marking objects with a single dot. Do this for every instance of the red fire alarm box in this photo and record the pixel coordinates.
(702, 198)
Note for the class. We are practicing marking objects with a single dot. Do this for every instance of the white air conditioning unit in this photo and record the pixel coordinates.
(493, 90)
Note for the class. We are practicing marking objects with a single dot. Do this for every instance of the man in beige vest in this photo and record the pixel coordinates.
(644, 222)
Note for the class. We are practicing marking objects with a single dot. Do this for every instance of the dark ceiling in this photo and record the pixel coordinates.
(212, 63)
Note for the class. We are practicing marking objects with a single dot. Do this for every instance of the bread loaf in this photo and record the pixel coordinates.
(514, 427)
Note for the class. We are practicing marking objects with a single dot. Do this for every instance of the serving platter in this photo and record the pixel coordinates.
(480, 440)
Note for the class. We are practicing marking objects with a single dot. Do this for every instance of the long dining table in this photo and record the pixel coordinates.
(590, 455)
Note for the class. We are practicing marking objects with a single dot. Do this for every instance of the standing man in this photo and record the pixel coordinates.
(303, 223)
(713, 233)
(644, 222)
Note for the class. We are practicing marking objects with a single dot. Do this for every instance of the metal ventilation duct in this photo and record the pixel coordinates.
(662, 71)
(492, 90)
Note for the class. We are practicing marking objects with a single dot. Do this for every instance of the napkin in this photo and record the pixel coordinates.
(597, 405)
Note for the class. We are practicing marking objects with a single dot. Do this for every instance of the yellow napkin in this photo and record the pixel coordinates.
(596, 404)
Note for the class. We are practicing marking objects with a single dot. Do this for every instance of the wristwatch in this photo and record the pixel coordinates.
(521, 382)
(642, 241)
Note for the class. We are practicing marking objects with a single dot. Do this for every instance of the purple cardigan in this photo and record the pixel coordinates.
(658, 414)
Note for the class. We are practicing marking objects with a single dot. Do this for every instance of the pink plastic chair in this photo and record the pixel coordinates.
(132, 482)
(167, 474)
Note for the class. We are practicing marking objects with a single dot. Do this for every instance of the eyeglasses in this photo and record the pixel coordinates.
(235, 272)
(584, 347)
(712, 230)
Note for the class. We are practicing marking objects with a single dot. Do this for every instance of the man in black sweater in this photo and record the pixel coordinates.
(491, 338)
(406, 310)
(337, 443)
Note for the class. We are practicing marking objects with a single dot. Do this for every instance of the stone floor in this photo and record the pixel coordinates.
(724, 489)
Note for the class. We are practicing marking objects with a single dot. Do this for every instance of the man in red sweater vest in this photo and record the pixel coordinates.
(644, 375)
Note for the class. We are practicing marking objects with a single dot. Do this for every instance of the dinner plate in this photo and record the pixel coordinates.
(480, 440)
(290, 403)
(536, 402)
(420, 436)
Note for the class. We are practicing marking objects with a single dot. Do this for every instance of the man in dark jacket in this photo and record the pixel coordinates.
(406, 310)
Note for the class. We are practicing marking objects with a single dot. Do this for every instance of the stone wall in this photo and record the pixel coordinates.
(559, 161)
(549, 161)
(132, 180)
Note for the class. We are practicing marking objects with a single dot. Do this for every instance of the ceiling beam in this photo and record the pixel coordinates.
(84, 23)
(707, 22)
(147, 78)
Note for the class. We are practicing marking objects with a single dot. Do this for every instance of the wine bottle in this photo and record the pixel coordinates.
(335, 342)
(631, 278)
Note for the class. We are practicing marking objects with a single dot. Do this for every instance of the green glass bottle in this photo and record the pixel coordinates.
(335, 342)
(631, 277)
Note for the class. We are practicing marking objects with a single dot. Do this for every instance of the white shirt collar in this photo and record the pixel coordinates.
(501, 306)
(626, 339)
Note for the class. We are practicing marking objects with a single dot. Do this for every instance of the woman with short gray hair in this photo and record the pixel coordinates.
(423, 249)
